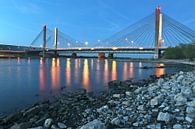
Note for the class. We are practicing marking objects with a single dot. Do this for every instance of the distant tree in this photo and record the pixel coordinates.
(183, 51)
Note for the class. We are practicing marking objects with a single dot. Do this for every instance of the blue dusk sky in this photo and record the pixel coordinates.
(84, 20)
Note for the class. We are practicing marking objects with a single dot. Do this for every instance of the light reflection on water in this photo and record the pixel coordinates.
(160, 70)
(28, 77)
(55, 73)
(68, 72)
(86, 75)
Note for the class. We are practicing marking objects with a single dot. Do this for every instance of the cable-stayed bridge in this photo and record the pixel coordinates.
(150, 35)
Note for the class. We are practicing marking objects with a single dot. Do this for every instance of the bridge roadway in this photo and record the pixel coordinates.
(122, 50)
(13, 49)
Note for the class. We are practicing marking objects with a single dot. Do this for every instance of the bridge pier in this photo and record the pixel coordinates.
(101, 55)
(159, 53)
(111, 55)
(74, 55)
(56, 53)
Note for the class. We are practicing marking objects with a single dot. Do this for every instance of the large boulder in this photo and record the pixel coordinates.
(180, 99)
(95, 124)
(165, 117)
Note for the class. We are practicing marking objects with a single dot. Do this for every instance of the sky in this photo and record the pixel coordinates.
(84, 20)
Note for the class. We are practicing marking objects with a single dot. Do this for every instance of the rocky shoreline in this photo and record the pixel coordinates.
(156, 103)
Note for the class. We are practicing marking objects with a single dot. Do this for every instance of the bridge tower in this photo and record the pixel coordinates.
(158, 32)
(44, 40)
(55, 40)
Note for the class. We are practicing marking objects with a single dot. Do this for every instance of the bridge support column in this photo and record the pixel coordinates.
(111, 55)
(56, 41)
(158, 32)
(101, 55)
(74, 55)
(44, 41)
(159, 53)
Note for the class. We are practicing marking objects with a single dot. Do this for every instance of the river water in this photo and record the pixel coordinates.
(27, 81)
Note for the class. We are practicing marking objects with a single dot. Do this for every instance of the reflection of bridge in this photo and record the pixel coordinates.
(150, 35)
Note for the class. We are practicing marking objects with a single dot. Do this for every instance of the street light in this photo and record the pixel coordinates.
(114, 48)
(86, 43)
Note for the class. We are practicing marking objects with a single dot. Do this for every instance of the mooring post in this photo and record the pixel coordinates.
(158, 32)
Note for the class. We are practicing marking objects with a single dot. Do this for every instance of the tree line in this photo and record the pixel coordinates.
(182, 51)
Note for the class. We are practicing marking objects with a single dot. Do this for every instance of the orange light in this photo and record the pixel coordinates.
(68, 72)
(86, 75)
(131, 70)
(106, 71)
(125, 71)
(114, 76)
(160, 70)
(55, 73)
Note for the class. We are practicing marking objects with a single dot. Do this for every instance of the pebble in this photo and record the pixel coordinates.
(48, 123)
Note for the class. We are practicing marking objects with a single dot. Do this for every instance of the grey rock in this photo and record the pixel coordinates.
(154, 102)
(54, 127)
(128, 93)
(136, 124)
(138, 90)
(180, 99)
(103, 109)
(39, 127)
(177, 126)
(116, 95)
(48, 123)
(61, 125)
(126, 103)
(190, 110)
(191, 103)
(21, 125)
(193, 88)
(95, 124)
(160, 81)
(166, 117)
(187, 92)
(115, 121)
(154, 126)
(188, 119)
(140, 107)
(179, 78)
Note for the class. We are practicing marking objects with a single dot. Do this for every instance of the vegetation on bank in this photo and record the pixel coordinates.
(183, 51)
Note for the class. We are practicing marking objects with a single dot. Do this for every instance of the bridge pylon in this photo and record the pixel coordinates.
(55, 40)
(158, 32)
(44, 40)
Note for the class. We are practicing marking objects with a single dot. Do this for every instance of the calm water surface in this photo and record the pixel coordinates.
(26, 81)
